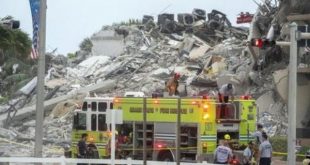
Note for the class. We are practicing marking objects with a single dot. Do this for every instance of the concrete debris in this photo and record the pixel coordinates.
(281, 81)
(64, 108)
(8, 134)
(106, 39)
(198, 52)
(265, 101)
(51, 84)
(203, 47)
(29, 87)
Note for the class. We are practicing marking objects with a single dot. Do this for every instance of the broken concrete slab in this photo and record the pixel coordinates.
(51, 84)
(28, 111)
(108, 43)
(65, 107)
(188, 44)
(218, 67)
(29, 87)
(265, 101)
(198, 52)
(161, 72)
(280, 78)
(210, 61)
(8, 134)
(198, 81)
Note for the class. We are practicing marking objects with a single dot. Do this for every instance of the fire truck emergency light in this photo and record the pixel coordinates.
(246, 97)
(194, 102)
(156, 102)
(206, 116)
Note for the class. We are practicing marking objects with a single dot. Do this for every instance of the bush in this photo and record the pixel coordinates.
(279, 144)
(3, 100)
(71, 55)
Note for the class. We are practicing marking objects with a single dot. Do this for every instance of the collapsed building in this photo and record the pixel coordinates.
(204, 48)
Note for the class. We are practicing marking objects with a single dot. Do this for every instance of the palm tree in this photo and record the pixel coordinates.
(5, 42)
(15, 47)
(14, 41)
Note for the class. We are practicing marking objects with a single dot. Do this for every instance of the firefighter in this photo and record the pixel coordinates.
(223, 154)
(248, 154)
(82, 148)
(224, 92)
(258, 140)
(265, 151)
(172, 84)
(258, 134)
(92, 151)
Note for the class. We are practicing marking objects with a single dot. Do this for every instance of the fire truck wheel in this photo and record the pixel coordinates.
(165, 156)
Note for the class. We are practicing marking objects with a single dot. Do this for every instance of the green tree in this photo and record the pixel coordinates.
(86, 45)
(15, 47)
(14, 43)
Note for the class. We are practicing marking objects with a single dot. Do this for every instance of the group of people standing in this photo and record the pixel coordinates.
(258, 152)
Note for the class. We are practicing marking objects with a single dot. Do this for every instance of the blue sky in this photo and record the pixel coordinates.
(70, 21)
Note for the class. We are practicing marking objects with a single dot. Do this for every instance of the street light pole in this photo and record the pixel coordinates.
(40, 84)
(292, 108)
(178, 132)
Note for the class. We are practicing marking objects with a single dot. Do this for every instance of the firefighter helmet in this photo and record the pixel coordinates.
(227, 137)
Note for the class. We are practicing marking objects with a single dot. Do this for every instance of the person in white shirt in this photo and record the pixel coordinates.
(258, 134)
(222, 153)
(224, 92)
(258, 140)
(248, 154)
(265, 151)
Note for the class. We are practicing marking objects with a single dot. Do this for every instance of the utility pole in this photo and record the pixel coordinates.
(178, 132)
(40, 84)
(144, 131)
(292, 91)
(113, 137)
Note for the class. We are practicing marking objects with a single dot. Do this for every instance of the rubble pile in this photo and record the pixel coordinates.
(207, 54)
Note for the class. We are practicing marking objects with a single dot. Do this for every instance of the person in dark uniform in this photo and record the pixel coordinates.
(82, 148)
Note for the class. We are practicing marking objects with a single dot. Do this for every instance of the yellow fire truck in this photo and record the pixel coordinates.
(203, 123)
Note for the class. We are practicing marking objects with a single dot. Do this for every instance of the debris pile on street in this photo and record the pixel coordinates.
(204, 48)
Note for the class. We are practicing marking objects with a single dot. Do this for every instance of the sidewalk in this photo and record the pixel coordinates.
(278, 161)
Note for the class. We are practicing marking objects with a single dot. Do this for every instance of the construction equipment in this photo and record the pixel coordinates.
(202, 126)
(217, 20)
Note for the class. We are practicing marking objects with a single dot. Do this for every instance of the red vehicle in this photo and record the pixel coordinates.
(244, 18)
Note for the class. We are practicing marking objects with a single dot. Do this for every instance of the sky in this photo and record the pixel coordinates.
(70, 21)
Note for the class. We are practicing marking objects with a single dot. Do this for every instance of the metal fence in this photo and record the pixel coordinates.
(67, 161)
